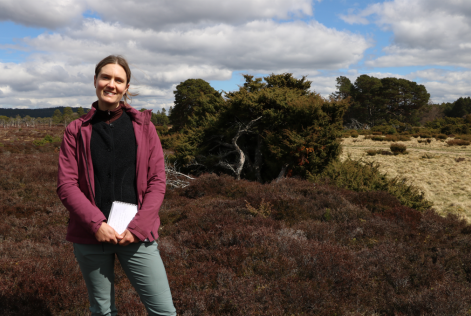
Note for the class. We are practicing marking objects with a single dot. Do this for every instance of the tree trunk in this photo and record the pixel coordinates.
(282, 172)
(258, 159)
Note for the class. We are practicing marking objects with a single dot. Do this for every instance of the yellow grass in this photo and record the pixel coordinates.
(432, 168)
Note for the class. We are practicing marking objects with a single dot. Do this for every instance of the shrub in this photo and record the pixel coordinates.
(457, 142)
(464, 137)
(455, 129)
(441, 136)
(47, 139)
(425, 141)
(231, 247)
(397, 148)
(391, 131)
(392, 138)
(354, 134)
(377, 138)
(161, 130)
(169, 141)
(403, 138)
(363, 176)
(371, 152)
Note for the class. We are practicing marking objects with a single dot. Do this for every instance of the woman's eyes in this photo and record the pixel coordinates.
(109, 78)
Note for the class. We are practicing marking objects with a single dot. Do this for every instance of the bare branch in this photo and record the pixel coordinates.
(174, 177)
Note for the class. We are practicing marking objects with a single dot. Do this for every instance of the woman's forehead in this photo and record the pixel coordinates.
(113, 69)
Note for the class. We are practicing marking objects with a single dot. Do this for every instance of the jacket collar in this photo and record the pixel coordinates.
(138, 117)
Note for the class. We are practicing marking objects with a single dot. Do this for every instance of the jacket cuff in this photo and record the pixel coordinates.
(96, 222)
(136, 231)
(96, 227)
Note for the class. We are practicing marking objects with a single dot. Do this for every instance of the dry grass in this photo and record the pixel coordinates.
(434, 168)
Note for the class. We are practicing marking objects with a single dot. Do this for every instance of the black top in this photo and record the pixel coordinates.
(113, 149)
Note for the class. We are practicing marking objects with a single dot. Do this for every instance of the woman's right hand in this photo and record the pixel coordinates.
(106, 233)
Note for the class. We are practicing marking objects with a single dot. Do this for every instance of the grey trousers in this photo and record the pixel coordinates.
(143, 266)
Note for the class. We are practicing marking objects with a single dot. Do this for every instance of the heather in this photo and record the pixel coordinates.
(232, 247)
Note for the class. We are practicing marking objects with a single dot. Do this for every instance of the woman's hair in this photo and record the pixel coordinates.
(118, 60)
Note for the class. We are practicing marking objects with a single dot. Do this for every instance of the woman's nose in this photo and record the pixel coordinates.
(111, 83)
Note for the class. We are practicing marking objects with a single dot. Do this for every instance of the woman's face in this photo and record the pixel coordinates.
(110, 86)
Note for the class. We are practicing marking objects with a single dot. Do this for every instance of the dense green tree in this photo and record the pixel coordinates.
(287, 80)
(265, 130)
(367, 104)
(403, 99)
(344, 88)
(68, 111)
(187, 96)
(57, 117)
(459, 108)
(376, 101)
(160, 118)
(80, 111)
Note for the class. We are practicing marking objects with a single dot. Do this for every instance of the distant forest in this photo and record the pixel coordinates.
(48, 112)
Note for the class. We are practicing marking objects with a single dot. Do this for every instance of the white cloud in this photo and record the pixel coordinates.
(42, 13)
(156, 14)
(426, 32)
(62, 63)
(165, 43)
(257, 45)
(150, 13)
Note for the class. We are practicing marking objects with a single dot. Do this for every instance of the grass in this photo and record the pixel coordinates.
(432, 167)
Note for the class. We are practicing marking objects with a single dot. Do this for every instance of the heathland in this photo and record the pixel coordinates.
(238, 247)
(356, 204)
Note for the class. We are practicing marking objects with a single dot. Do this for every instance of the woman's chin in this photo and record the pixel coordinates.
(109, 102)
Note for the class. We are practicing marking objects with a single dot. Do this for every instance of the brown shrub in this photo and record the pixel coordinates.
(243, 248)
(457, 142)
(397, 148)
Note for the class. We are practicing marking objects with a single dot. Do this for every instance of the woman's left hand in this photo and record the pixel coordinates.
(127, 238)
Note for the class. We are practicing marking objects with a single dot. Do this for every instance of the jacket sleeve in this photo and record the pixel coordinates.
(68, 190)
(148, 214)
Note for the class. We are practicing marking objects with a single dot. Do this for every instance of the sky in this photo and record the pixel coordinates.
(49, 48)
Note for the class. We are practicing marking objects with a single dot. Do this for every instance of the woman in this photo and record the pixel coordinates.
(112, 154)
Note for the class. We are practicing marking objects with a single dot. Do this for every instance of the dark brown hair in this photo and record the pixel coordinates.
(118, 60)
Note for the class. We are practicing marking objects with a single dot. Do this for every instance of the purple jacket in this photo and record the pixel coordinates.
(76, 185)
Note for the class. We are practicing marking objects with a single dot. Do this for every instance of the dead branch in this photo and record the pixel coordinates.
(175, 179)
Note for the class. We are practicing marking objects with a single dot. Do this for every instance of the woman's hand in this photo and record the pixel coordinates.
(106, 233)
(127, 238)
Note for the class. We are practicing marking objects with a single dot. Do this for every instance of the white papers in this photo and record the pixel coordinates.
(121, 215)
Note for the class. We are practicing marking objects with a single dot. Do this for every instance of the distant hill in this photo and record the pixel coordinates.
(47, 112)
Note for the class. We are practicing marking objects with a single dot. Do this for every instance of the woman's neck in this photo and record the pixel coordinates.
(106, 106)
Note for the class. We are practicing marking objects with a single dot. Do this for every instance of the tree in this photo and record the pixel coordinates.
(264, 131)
(403, 99)
(287, 80)
(431, 112)
(57, 117)
(80, 111)
(367, 106)
(160, 118)
(344, 88)
(68, 115)
(459, 108)
(187, 96)
(376, 101)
